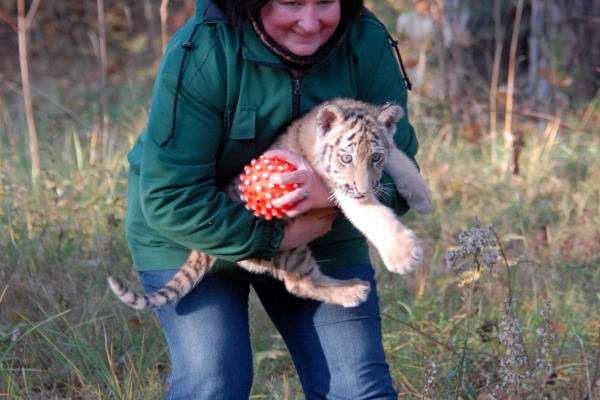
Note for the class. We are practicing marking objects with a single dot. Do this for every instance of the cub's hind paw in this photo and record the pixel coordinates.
(405, 254)
(353, 294)
(419, 200)
(422, 205)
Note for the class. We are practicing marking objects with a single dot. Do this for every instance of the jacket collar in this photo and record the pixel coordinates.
(255, 50)
(207, 11)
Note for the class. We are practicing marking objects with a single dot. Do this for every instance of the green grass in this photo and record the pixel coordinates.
(63, 335)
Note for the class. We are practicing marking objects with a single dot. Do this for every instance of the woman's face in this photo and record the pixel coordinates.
(301, 26)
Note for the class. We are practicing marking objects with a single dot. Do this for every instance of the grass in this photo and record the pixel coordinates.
(63, 335)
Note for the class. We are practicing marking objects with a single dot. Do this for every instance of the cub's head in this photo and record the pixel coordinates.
(353, 140)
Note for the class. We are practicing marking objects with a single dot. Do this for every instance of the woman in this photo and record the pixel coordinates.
(230, 81)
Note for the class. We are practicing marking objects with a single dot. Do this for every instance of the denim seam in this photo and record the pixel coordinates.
(162, 327)
(172, 374)
(301, 367)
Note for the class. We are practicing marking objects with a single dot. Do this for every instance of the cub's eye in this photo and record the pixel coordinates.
(346, 158)
(376, 157)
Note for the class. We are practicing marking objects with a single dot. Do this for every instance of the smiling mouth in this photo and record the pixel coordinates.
(305, 35)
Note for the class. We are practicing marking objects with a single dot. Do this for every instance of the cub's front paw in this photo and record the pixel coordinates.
(404, 255)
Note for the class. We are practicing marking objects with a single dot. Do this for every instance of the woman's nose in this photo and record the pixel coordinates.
(309, 21)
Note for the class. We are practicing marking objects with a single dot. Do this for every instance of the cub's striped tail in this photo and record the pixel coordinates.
(188, 276)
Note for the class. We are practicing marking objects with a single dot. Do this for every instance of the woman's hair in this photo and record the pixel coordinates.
(237, 10)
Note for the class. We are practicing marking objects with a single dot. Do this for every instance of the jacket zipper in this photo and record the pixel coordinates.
(296, 92)
(296, 81)
(296, 98)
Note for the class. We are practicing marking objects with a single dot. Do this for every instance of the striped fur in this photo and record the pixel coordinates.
(349, 144)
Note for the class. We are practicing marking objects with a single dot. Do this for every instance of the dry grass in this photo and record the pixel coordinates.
(62, 335)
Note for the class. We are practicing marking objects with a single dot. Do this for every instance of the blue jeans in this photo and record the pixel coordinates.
(337, 351)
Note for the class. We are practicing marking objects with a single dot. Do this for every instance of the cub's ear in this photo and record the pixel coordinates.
(390, 114)
(328, 117)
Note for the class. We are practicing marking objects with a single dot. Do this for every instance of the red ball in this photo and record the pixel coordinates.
(258, 192)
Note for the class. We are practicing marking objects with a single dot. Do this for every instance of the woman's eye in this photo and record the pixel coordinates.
(346, 159)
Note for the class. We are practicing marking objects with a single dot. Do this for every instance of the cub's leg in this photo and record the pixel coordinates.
(409, 182)
(397, 245)
(303, 278)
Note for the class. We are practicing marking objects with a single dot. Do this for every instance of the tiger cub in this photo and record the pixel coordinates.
(349, 144)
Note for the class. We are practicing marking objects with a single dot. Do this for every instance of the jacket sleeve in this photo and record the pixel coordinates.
(177, 182)
(380, 82)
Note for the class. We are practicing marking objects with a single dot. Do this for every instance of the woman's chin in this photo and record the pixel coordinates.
(302, 50)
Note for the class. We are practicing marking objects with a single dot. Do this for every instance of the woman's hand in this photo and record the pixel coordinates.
(311, 193)
(308, 227)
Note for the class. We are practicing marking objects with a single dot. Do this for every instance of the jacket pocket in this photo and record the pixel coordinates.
(239, 147)
(244, 123)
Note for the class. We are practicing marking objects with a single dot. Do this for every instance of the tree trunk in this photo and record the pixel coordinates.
(34, 150)
(164, 15)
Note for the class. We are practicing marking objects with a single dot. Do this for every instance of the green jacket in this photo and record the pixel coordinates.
(232, 103)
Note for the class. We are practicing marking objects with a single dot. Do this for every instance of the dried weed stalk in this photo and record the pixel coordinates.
(518, 375)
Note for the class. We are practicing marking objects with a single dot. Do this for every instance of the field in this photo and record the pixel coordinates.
(517, 315)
